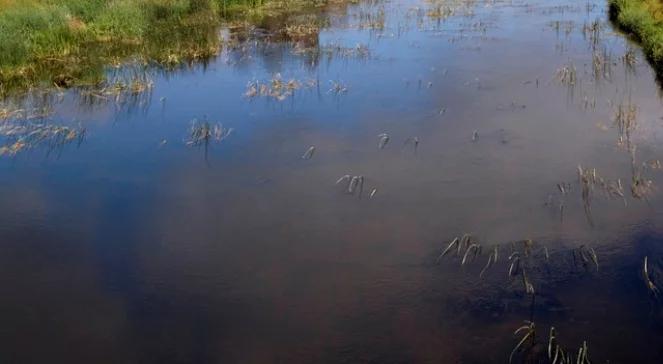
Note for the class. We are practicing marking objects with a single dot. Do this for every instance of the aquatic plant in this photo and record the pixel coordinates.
(276, 88)
(514, 258)
(383, 139)
(414, 141)
(353, 184)
(592, 31)
(309, 153)
(629, 58)
(201, 133)
(653, 289)
(529, 330)
(23, 135)
(492, 259)
(337, 87)
(475, 249)
(586, 255)
(455, 241)
(555, 353)
(567, 75)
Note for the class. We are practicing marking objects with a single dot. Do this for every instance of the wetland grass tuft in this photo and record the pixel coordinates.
(492, 259)
(451, 245)
(475, 249)
(201, 133)
(353, 185)
(383, 140)
(337, 87)
(276, 88)
(653, 289)
(567, 75)
(25, 135)
(309, 153)
(529, 331)
(414, 141)
(555, 353)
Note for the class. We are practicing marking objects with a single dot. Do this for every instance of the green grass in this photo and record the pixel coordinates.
(68, 42)
(643, 19)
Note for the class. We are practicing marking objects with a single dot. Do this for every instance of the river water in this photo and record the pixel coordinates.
(139, 245)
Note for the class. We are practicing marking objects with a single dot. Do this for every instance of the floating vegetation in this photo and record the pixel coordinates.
(440, 11)
(586, 256)
(630, 58)
(592, 31)
(567, 75)
(20, 136)
(587, 179)
(383, 139)
(334, 50)
(337, 87)
(353, 184)
(466, 242)
(564, 188)
(653, 289)
(602, 64)
(309, 153)
(276, 88)
(201, 133)
(514, 258)
(625, 119)
(654, 164)
(587, 103)
(529, 331)
(414, 141)
(513, 106)
(372, 20)
(529, 288)
(302, 32)
(560, 25)
(641, 186)
(18, 114)
(132, 86)
(475, 249)
(451, 245)
(555, 353)
(492, 259)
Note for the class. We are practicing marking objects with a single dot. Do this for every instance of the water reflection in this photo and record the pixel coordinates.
(508, 121)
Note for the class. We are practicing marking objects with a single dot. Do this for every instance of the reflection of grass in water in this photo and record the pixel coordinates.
(68, 42)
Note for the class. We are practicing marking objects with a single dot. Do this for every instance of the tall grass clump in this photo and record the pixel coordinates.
(643, 19)
(27, 32)
(64, 41)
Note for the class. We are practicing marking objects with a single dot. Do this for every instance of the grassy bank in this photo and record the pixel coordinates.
(68, 42)
(643, 19)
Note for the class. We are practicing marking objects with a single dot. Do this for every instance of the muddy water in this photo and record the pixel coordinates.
(133, 247)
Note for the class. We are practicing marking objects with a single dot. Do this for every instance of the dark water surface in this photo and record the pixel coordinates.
(129, 249)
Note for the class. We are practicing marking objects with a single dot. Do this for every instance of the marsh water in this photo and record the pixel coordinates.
(136, 244)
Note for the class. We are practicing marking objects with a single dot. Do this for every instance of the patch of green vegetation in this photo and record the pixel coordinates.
(69, 42)
(643, 19)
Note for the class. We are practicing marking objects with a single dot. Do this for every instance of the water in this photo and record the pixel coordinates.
(130, 249)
